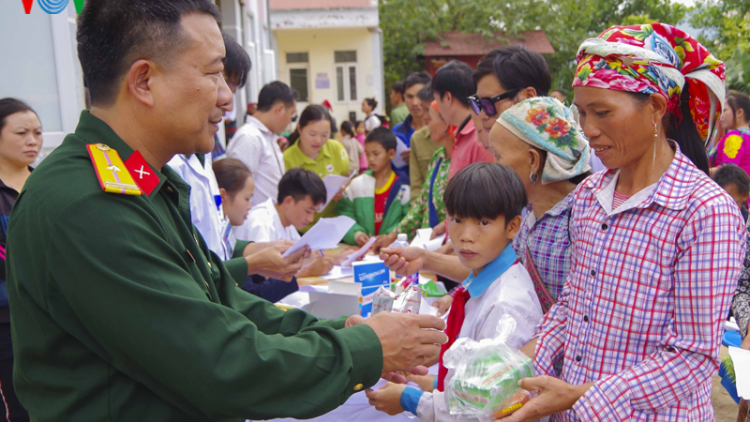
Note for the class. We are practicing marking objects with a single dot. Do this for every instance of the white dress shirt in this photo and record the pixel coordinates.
(372, 122)
(263, 224)
(207, 216)
(256, 147)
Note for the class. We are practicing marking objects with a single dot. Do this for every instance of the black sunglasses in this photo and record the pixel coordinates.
(294, 118)
(488, 103)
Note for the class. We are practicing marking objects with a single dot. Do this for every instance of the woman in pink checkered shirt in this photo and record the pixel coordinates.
(657, 246)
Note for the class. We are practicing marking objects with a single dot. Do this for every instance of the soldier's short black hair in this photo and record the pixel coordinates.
(384, 137)
(113, 34)
(299, 183)
(485, 191)
(237, 62)
(516, 66)
(456, 78)
(730, 174)
(274, 92)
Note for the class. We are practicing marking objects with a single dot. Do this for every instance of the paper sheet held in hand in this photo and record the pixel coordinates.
(325, 234)
(334, 183)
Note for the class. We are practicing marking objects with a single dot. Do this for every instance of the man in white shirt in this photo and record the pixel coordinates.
(255, 142)
(301, 193)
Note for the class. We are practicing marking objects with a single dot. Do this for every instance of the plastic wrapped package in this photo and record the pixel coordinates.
(484, 384)
(409, 301)
(383, 300)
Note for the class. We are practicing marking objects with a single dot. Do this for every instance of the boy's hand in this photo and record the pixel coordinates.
(387, 399)
(362, 238)
(443, 304)
(403, 261)
(425, 382)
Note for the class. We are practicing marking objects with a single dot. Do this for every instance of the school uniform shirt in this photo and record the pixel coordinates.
(263, 224)
(502, 287)
(119, 308)
(642, 313)
(206, 211)
(255, 145)
(332, 159)
(467, 149)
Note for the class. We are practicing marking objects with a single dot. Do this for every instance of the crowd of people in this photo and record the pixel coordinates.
(142, 257)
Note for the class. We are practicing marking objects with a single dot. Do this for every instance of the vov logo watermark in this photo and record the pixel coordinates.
(52, 7)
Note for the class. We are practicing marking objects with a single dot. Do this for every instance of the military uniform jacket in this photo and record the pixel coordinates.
(120, 312)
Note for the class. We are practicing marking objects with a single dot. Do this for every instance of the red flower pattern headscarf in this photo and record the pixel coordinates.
(656, 58)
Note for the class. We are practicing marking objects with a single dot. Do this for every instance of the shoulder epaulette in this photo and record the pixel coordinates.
(113, 176)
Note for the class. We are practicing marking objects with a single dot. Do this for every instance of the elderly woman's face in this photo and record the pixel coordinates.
(509, 150)
(619, 127)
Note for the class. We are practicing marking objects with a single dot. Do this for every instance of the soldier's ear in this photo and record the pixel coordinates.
(139, 81)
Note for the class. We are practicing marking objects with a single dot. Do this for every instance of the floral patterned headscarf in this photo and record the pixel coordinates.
(656, 58)
(547, 124)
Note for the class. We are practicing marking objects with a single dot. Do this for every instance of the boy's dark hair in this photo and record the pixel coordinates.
(347, 128)
(516, 66)
(729, 174)
(231, 175)
(299, 183)
(274, 92)
(425, 94)
(739, 101)
(417, 78)
(558, 90)
(113, 34)
(399, 87)
(485, 191)
(237, 62)
(456, 78)
(372, 102)
(384, 137)
(10, 106)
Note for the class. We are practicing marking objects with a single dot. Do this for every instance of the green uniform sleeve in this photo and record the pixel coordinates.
(239, 248)
(136, 303)
(346, 207)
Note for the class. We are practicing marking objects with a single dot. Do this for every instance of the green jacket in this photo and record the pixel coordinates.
(398, 114)
(359, 204)
(119, 311)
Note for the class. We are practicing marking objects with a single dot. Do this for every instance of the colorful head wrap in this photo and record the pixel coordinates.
(547, 124)
(656, 58)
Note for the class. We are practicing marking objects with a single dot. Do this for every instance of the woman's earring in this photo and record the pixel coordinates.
(534, 178)
(656, 137)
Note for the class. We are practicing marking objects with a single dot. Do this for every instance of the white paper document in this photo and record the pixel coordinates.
(338, 272)
(334, 183)
(400, 148)
(325, 234)
(741, 360)
(422, 240)
(360, 253)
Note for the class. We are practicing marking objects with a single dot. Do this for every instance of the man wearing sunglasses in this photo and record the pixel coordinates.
(451, 87)
(255, 143)
(504, 77)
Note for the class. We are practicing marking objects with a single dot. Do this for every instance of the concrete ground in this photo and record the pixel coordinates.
(725, 409)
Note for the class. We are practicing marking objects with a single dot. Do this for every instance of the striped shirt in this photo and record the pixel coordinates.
(642, 311)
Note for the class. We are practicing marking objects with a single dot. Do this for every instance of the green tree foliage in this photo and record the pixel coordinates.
(407, 24)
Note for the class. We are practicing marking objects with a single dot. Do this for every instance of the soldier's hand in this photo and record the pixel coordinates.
(270, 263)
(254, 247)
(403, 261)
(407, 340)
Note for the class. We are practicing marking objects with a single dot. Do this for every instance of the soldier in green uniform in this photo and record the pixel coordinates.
(119, 311)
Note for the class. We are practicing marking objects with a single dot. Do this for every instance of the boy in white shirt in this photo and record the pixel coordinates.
(301, 193)
(484, 202)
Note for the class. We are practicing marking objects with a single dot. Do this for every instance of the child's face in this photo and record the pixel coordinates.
(734, 192)
(377, 157)
(479, 242)
(361, 129)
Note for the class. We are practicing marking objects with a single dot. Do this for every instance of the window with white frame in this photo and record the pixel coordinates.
(346, 76)
(298, 67)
